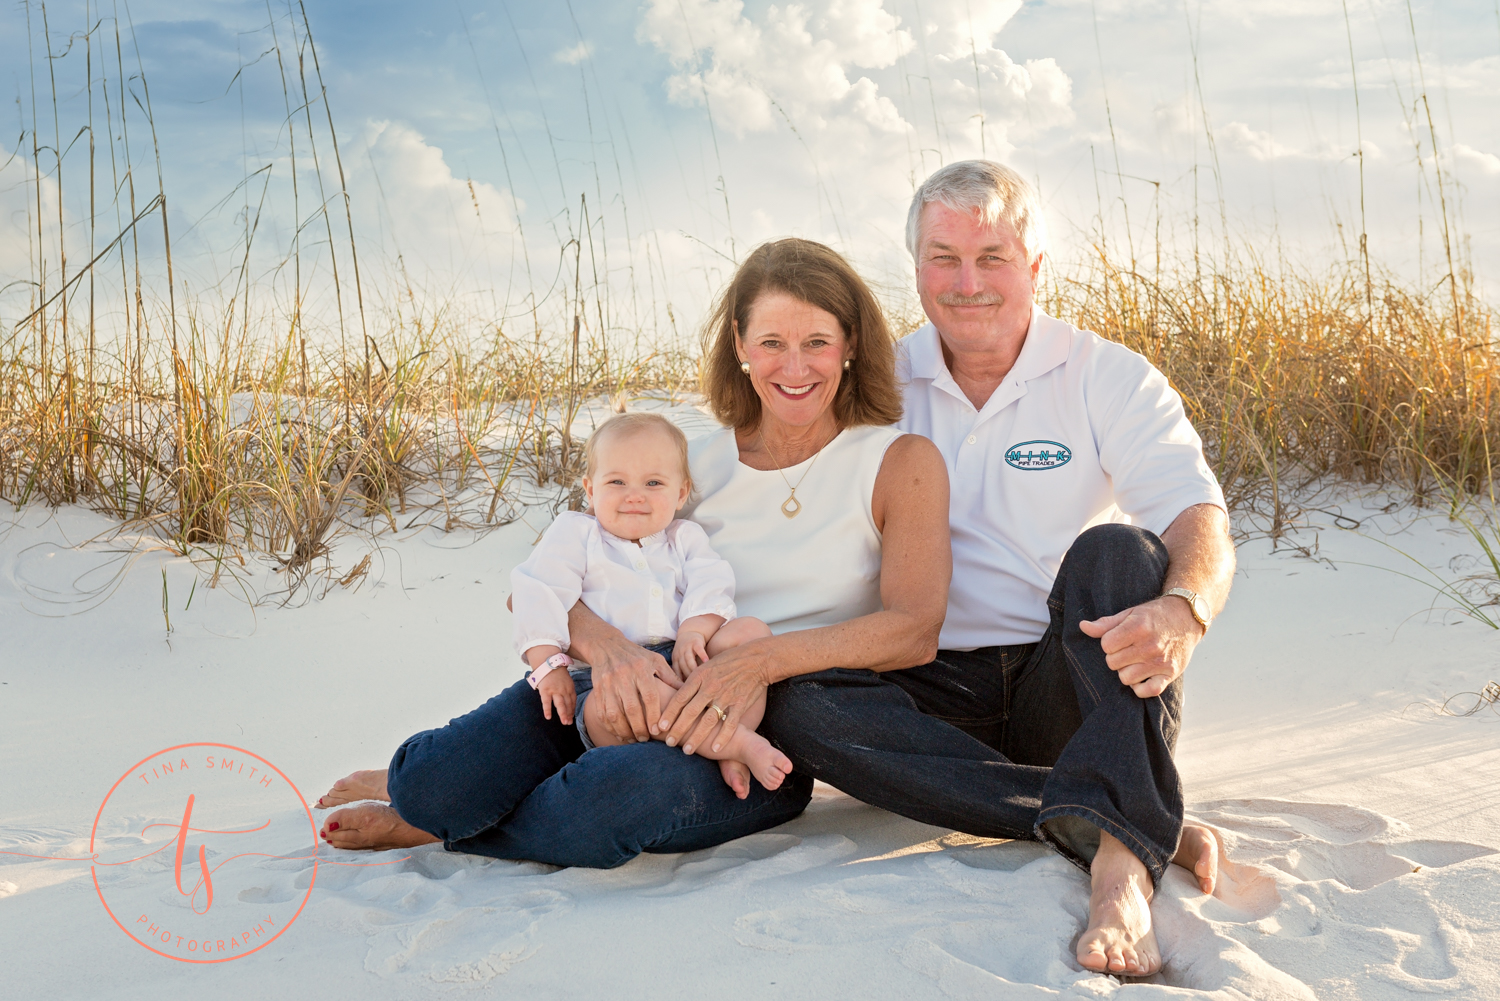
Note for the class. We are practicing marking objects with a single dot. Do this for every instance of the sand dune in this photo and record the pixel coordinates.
(1359, 831)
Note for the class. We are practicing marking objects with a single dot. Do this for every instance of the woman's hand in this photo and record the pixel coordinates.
(731, 681)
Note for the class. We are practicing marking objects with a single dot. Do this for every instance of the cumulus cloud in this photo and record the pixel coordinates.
(18, 221)
(788, 64)
(574, 55)
(423, 207)
(1468, 156)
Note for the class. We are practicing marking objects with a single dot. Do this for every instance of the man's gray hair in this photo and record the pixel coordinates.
(991, 189)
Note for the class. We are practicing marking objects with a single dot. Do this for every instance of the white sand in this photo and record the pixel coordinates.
(1361, 835)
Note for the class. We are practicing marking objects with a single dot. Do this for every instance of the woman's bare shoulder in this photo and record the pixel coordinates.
(913, 482)
(914, 454)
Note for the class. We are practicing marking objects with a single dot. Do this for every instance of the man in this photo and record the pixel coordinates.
(1090, 553)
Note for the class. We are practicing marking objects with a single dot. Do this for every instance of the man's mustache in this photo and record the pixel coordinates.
(982, 299)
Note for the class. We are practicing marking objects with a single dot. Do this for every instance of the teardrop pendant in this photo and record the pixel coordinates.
(791, 505)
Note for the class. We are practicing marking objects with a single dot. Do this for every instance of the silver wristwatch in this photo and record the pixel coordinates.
(1196, 602)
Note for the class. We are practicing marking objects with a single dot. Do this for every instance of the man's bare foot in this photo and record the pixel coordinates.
(1198, 853)
(769, 766)
(373, 827)
(736, 776)
(1119, 938)
(366, 784)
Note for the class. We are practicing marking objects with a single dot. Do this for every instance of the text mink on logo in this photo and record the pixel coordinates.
(1038, 455)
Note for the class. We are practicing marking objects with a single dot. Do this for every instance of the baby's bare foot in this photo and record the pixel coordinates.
(365, 784)
(769, 765)
(736, 776)
(372, 827)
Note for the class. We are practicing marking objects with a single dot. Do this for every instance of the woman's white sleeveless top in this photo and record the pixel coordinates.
(817, 569)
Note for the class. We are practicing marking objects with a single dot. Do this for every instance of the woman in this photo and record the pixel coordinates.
(836, 525)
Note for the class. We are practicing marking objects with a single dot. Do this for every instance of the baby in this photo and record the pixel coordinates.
(651, 576)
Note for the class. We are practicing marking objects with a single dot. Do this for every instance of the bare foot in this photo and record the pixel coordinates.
(366, 784)
(1119, 938)
(1198, 853)
(372, 826)
(736, 776)
(769, 766)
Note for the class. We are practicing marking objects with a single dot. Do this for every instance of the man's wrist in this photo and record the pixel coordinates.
(1193, 603)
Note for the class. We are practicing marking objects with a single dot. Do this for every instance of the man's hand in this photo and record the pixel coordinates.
(625, 677)
(1149, 646)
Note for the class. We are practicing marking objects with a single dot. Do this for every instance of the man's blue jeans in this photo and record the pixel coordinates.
(1039, 741)
(504, 781)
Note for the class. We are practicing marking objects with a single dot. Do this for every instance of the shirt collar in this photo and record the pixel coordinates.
(1048, 342)
(656, 538)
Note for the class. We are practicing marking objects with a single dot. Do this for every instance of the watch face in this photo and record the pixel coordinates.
(1200, 609)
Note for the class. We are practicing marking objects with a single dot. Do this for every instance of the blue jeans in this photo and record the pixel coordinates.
(506, 782)
(1038, 741)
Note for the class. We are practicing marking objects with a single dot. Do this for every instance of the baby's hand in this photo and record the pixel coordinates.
(690, 651)
(556, 689)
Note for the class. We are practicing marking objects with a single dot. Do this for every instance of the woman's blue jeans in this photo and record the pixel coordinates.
(1039, 741)
(506, 782)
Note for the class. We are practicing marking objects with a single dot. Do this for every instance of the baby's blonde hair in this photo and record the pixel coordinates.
(627, 424)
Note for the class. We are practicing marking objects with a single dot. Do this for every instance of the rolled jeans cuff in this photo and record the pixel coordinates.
(1074, 829)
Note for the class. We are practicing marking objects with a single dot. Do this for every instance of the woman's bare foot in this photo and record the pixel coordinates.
(736, 776)
(1119, 938)
(1198, 853)
(769, 766)
(373, 827)
(366, 784)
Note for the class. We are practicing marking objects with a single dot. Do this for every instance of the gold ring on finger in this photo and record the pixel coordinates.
(722, 714)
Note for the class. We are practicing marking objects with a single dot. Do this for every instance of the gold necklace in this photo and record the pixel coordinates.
(791, 507)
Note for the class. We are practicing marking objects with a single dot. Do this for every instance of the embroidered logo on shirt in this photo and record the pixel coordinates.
(1038, 455)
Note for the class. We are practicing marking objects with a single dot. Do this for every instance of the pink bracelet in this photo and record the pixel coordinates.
(547, 666)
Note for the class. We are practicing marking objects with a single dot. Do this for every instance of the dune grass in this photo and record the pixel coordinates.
(1310, 376)
(233, 421)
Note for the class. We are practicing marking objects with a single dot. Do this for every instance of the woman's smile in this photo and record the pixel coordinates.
(795, 392)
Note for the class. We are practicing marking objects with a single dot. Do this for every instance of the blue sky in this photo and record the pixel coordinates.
(470, 131)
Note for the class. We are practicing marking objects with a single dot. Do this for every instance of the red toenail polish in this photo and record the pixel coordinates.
(333, 827)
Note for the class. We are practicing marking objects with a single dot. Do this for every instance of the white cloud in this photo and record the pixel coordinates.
(953, 25)
(1468, 156)
(789, 64)
(1257, 145)
(575, 55)
(423, 208)
(18, 223)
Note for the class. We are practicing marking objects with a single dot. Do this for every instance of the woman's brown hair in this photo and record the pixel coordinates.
(820, 277)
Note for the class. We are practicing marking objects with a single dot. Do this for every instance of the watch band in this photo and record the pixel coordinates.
(547, 666)
(1197, 604)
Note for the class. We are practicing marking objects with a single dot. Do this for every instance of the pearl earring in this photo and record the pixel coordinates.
(846, 363)
(745, 367)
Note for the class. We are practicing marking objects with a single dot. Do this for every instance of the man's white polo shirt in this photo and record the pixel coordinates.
(1082, 432)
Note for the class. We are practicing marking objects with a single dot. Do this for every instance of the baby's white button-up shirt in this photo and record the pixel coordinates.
(644, 590)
